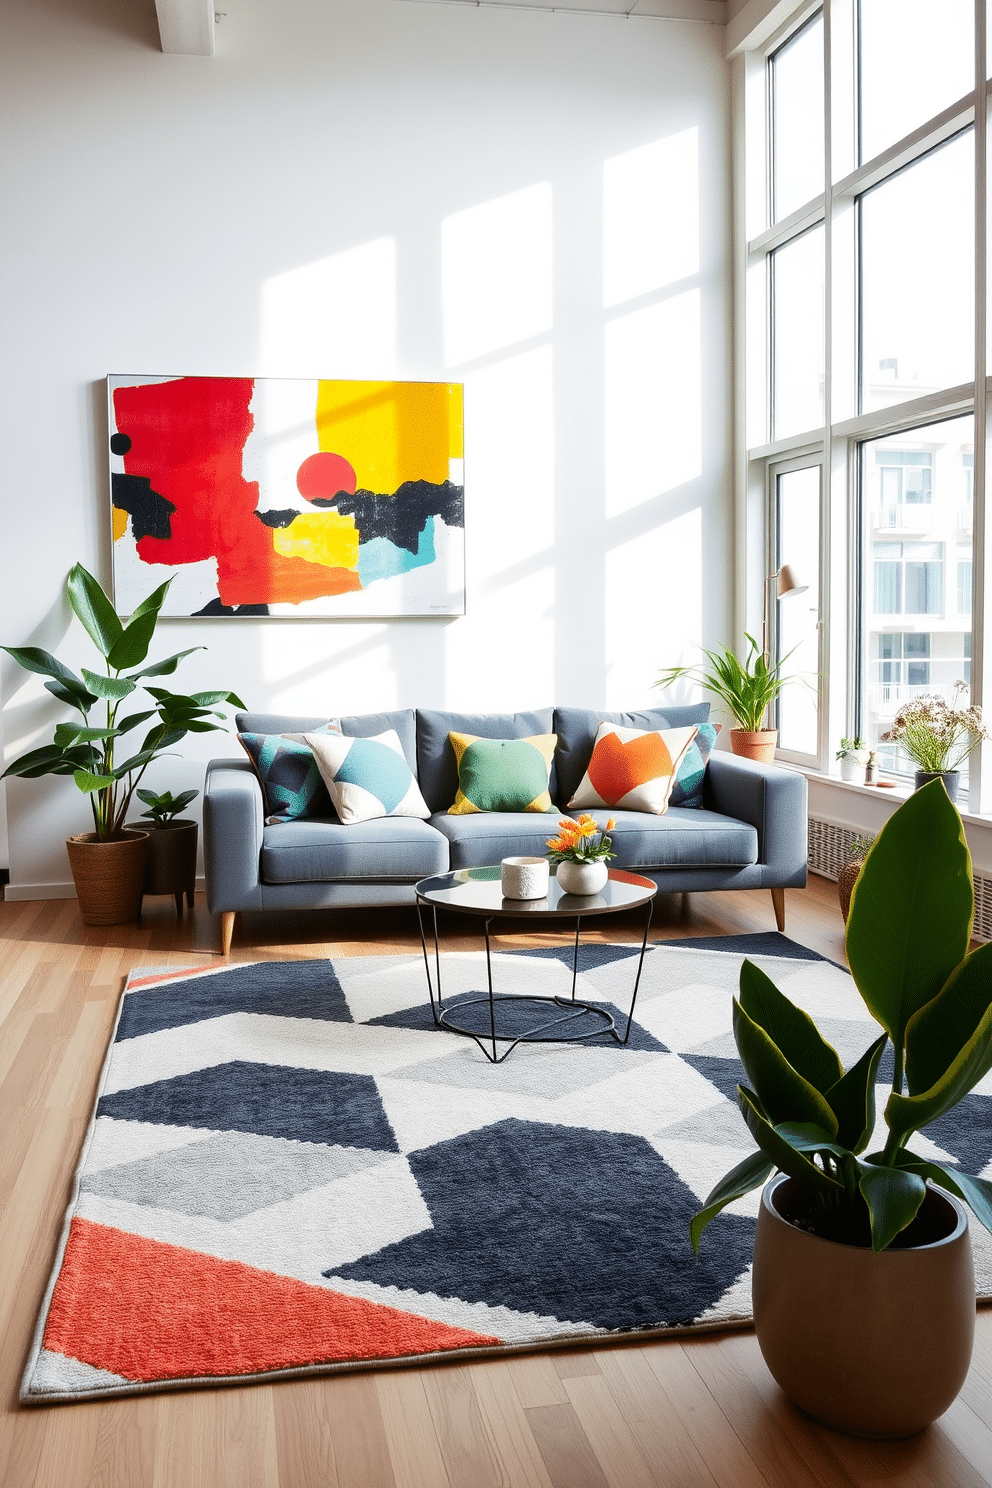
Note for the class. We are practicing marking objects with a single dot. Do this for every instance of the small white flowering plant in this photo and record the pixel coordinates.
(936, 734)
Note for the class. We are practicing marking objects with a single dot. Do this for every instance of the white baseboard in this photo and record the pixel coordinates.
(63, 890)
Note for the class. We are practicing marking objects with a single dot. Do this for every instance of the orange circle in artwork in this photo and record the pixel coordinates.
(322, 476)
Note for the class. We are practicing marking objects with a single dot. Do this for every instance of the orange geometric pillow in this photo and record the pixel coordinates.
(633, 768)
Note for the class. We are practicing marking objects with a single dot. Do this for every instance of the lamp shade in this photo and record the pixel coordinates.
(788, 584)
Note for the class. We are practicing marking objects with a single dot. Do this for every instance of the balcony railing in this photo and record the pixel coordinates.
(904, 517)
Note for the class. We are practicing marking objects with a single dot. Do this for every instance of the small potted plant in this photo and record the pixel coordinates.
(853, 756)
(938, 736)
(864, 1300)
(108, 864)
(580, 853)
(171, 864)
(746, 688)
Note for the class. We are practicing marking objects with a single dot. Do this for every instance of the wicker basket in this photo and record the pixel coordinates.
(108, 876)
(847, 878)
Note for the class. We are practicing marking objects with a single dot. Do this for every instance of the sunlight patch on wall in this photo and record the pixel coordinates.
(653, 401)
(654, 607)
(335, 317)
(313, 676)
(651, 217)
(496, 274)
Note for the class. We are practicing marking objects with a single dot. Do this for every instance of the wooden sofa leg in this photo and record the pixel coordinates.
(778, 900)
(227, 930)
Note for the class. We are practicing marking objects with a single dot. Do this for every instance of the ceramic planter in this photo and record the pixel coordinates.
(171, 865)
(949, 777)
(582, 878)
(756, 744)
(109, 876)
(872, 1345)
(852, 767)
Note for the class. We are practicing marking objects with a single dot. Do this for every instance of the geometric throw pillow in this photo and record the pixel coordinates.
(288, 775)
(633, 768)
(688, 787)
(502, 774)
(367, 778)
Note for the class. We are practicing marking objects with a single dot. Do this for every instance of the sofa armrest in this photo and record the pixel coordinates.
(773, 801)
(232, 835)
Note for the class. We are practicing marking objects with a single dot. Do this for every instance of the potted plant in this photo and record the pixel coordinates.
(170, 867)
(108, 863)
(848, 876)
(580, 853)
(937, 736)
(853, 756)
(746, 688)
(864, 1299)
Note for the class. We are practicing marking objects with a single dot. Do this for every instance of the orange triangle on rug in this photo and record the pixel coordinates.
(150, 1311)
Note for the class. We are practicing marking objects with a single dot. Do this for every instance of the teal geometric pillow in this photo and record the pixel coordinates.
(688, 787)
(288, 775)
(368, 778)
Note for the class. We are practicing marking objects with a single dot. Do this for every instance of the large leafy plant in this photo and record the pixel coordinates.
(90, 750)
(746, 688)
(907, 946)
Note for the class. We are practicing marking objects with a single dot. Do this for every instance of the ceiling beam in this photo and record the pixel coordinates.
(186, 27)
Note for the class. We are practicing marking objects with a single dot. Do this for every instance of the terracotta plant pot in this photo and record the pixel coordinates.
(872, 1345)
(109, 876)
(171, 865)
(756, 744)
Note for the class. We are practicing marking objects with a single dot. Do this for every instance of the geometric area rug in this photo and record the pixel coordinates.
(290, 1170)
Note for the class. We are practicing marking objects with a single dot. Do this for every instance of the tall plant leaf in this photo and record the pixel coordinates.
(789, 1027)
(911, 909)
(132, 647)
(937, 1033)
(34, 659)
(112, 689)
(783, 1093)
(166, 667)
(94, 610)
(781, 1152)
(905, 1114)
(852, 1099)
(893, 1196)
(976, 1192)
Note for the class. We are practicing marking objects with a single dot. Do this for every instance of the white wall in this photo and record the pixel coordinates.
(388, 190)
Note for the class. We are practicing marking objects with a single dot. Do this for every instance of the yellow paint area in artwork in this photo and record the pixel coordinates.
(391, 432)
(120, 523)
(319, 537)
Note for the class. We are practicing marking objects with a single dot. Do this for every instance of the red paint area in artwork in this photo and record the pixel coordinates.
(150, 1311)
(322, 476)
(187, 438)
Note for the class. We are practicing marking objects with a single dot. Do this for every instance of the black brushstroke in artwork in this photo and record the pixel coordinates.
(402, 517)
(120, 443)
(215, 607)
(281, 518)
(150, 512)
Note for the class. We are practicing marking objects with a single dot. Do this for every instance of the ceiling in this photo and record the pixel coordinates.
(186, 27)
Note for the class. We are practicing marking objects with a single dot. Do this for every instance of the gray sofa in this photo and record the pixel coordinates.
(750, 834)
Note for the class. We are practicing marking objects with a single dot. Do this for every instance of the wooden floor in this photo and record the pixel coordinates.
(700, 1412)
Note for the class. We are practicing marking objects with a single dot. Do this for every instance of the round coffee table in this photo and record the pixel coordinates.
(478, 891)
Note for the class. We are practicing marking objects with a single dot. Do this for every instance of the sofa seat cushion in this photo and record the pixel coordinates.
(392, 847)
(486, 838)
(683, 838)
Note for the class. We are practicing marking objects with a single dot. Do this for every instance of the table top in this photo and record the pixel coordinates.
(479, 891)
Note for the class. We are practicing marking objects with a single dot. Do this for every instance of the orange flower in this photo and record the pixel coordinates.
(610, 824)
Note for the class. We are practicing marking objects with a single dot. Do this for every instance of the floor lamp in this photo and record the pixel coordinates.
(787, 587)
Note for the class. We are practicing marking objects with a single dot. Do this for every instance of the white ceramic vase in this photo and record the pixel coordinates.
(582, 878)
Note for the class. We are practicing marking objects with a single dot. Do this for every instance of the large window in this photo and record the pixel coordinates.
(865, 370)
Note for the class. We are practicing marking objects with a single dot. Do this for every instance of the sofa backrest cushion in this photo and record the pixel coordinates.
(355, 725)
(577, 729)
(436, 766)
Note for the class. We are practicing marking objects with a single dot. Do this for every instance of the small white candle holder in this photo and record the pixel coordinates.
(524, 878)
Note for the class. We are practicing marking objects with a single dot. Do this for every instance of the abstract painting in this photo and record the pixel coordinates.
(288, 497)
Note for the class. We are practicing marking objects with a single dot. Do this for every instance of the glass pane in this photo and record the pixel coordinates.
(797, 119)
(797, 335)
(916, 631)
(917, 278)
(917, 58)
(798, 614)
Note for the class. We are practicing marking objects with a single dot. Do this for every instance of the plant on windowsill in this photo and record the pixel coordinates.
(844, 1237)
(108, 863)
(746, 688)
(938, 737)
(853, 756)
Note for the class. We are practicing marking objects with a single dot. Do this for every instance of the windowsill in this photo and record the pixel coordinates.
(897, 791)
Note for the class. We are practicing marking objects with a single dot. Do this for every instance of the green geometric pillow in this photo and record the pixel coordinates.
(502, 774)
(288, 774)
